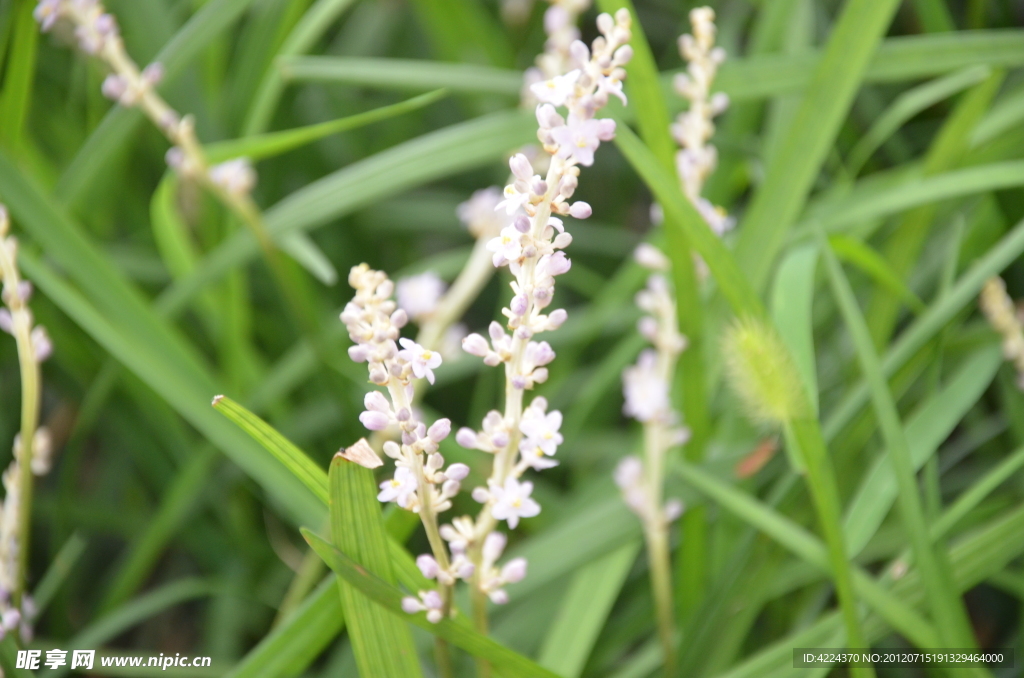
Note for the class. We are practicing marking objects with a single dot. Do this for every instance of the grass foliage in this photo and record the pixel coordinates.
(862, 479)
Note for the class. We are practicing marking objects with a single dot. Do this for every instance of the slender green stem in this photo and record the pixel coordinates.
(806, 434)
(951, 618)
(661, 589)
(29, 423)
(479, 604)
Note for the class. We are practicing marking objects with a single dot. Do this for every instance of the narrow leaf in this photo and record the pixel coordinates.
(294, 459)
(506, 662)
(381, 641)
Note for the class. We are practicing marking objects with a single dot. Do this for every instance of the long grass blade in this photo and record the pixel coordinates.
(381, 641)
(945, 605)
(789, 178)
(505, 662)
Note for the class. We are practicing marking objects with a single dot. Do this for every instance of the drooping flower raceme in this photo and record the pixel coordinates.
(1005, 319)
(532, 245)
(31, 445)
(697, 158)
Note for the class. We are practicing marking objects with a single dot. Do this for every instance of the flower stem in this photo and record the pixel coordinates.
(479, 603)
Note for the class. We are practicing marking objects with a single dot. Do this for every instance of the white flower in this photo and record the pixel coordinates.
(237, 176)
(541, 431)
(649, 256)
(507, 246)
(512, 501)
(579, 138)
(422, 360)
(645, 391)
(557, 89)
(514, 199)
(399, 489)
(479, 213)
(418, 295)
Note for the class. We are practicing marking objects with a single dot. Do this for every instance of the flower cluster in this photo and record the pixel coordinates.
(560, 21)
(532, 247)
(421, 482)
(1004, 317)
(645, 387)
(694, 127)
(34, 346)
(97, 34)
(418, 294)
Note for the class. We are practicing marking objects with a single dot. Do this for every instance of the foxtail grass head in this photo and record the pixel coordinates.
(762, 373)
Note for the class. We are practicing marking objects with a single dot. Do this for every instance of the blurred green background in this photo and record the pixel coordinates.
(162, 528)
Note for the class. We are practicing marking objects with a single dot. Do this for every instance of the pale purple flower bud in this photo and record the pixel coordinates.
(404, 414)
(648, 328)
(378, 376)
(494, 545)
(114, 87)
(719, 102)
(24, 290)
(466, 437)
(439, 430)
(474, 344)
(392, 449)
(450, 488)
(540, 375)
(375, 421)
(432, 599)
(562, 240)
(6, 321)
(559, 263)
(580, 210)
(428, 566)
(10, 619)
(538, 186)
(481, 495)
(465, 570)
(434, 616)
(521, 223)
(399, 318)
(623, 55)
(548, 117)
(605, 23)
(412, 605)
(153, 73)
(605, 129)
(106, 25)
(457, 471)
(519, 305)
(435, 462)
(521, 167)
(579, 53)
(375, 401)
(514, 570)
(496, 331)
(519, 382)
(498, 597)
(499, 439)
(543, 354)
(673, 509)
(557, 317)
(175, 158)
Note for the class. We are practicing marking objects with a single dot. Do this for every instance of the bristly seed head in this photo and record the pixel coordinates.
(762, 372)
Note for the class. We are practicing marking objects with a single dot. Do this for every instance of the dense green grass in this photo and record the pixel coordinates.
(874, 157)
